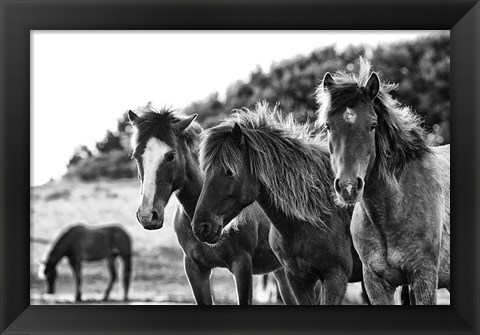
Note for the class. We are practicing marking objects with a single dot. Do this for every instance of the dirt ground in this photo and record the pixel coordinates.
(158, 276)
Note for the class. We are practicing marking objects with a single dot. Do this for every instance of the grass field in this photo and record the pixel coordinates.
(158, 275)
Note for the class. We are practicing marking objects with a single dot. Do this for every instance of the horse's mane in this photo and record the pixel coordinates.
(284, 156)
(399, 136)
(161, 123)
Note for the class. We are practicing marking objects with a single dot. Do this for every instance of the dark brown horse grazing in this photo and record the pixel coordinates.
(79, 243)
(165, 145)
(259, 156)
(400, 186)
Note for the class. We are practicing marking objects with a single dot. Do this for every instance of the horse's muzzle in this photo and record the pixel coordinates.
(207, 232)
(150, 220)
(349, 191)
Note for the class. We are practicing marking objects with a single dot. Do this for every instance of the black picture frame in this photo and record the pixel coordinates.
(19, 17)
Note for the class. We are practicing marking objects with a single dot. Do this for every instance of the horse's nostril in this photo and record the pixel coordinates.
(154, 215)
(359, 184)
(205, 229)
(336, 185)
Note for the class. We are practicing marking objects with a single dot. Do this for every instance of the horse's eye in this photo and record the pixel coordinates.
(228, 173)
(169, 157)
(373, 126)
(327, 127)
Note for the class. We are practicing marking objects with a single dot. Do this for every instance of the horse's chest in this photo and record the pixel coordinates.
(366, 238)
(293, 255)
(201, 253)
(375, 247)
(206, 255)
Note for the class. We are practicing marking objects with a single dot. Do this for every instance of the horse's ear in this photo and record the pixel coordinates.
(183, 124)
(373, 86)
(132, 116)
(327, 81)
(237, 134)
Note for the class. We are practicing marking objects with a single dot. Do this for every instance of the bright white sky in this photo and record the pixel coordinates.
(82, 82)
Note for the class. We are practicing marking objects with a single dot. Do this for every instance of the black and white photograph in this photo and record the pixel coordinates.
(240, 167)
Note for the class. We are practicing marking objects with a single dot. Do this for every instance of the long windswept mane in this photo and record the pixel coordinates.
(283, 155)
(399, 136)
(161, 123)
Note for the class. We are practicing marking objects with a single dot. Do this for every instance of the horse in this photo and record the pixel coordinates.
(398, 184)
(260, 156)
(165, 146)
(80, 243)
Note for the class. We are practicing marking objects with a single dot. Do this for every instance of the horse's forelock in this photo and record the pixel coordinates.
(218, 152)
(161, 123)
(346, 91)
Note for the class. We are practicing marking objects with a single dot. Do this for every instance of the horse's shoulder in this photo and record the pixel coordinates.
(252, 215)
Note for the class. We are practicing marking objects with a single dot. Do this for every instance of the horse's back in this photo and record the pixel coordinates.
(442, 155)
(443, 150)
(96, 243)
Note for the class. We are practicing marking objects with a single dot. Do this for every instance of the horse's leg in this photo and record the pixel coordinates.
(77, 273)
(379, 292)
(424, 282)
(113, 276)
(241, 268)
(199, 279)
(364, 293)
(285, 291)
(412, 297)
(405, 295)
(319, 293)
(334, 287)
(127, 267)
(303, 290)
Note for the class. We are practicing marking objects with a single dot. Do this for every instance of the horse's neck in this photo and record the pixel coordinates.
(192, 187)
(277, 217)
(378, 198)
(57, 253)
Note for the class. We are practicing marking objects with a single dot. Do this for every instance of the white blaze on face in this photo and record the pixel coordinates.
(153, 155)
(349, 189)
(349, 116)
